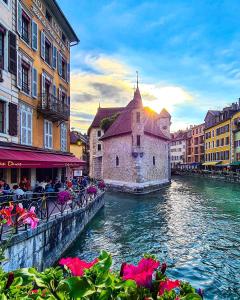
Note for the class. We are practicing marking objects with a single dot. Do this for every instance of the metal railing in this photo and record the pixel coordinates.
(48, 205)
(53, 104)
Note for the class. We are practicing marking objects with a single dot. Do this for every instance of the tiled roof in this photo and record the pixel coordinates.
(104, 113)
(123, 125)
(76, 136)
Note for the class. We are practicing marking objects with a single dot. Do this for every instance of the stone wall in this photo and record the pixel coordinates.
(136, 174)
(120, 146)
(43, 246)
(159, 149)
(95, 160)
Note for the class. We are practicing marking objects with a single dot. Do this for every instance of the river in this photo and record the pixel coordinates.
(193, 225)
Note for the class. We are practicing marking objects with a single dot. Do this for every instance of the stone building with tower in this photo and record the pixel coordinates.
(132, 155)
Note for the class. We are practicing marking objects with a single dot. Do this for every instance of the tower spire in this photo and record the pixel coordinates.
(137, 78)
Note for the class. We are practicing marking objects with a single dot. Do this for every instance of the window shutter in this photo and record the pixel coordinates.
(43, 83)
(13, 118)
(54, 91)
(19, 71)
(23, 127)
(54, 58)
(29, 128)
(34, 36)
(12, 53)
(43, 45)
(68, 72)
(68, 100)
(19, 16)
(50, 135)
(34, 82)
(59, 64)
(45, 134)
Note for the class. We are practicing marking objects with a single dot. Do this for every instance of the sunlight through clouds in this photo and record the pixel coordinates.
(111, 83)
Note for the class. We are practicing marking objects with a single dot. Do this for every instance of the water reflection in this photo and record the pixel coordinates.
(194, 225)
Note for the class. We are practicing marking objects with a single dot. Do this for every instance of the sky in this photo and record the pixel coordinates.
(187, 54)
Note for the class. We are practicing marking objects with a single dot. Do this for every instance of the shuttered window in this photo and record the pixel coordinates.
(43, 45)
(19, 71)
(12, 53)
(34, 82)
(2, 116)
(68, 72)
(48, 134)
(13, 119)
(54, 57)
(26, 127)
(1, 50)
(60, 64)
(63, 137)
(34, 36)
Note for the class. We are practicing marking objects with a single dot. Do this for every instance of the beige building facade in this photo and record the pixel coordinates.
(133, 154)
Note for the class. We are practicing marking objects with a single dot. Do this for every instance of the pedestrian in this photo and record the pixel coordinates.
(4, 186)
(25, 184)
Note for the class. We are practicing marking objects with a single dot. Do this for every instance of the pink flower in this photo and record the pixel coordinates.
(76, 265)
(92, 190)
(29, 217)
(63, 197)
(168, 285)
(6, 214)
(142, 273)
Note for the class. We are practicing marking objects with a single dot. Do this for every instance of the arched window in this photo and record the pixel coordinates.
(117, 161)
(154, 161)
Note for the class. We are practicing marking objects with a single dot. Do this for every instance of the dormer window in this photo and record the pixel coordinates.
(48, 16)
(63, 37)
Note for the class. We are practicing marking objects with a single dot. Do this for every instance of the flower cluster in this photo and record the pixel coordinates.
(63, 197)
(92, 190)
(76, 265)
(101, 185)
(147, 279)
(84, 280)
(17, 215)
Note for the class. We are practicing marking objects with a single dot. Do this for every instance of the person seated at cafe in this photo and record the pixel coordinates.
(49, 186)
(4, 186)
(17, 192)
(25, 184)
(57, 185)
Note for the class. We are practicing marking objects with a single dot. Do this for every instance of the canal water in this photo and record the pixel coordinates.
(193, 225)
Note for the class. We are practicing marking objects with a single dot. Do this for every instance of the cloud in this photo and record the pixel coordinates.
(82, 115)
(82, 97)
(111, 83)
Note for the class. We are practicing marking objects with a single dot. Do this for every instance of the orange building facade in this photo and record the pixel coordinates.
(44, 37)
(195, 145)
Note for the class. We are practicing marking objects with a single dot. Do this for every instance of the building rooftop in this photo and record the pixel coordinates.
(123, 123)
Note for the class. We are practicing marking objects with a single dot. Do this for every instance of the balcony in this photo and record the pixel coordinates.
(53, 109)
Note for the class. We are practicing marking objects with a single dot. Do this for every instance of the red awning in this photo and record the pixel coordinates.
(34, 159)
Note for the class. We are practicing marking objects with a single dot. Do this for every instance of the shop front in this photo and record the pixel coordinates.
(36, 165)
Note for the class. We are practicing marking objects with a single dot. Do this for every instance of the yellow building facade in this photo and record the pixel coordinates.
(43, 76)
(217, 144)
(41, 120)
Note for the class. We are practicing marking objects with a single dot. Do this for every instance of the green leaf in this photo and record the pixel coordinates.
(192, 296)
(79, 287)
